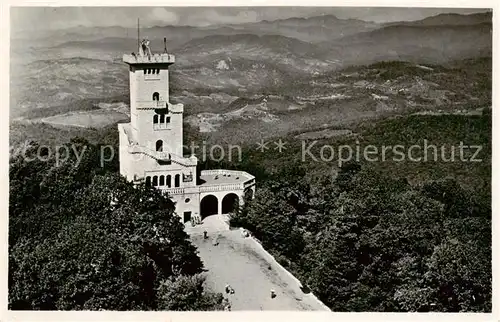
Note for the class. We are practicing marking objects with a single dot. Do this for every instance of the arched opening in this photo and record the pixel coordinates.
(177, 180)
(155, 119)
(159, 146)
(169, 181)
(229, 203)
(248, 194)
(155, 181)
(156, 96)
(148, 181)
(209, 205)
(162, 180)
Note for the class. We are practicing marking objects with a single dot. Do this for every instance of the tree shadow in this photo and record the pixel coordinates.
(305, 289)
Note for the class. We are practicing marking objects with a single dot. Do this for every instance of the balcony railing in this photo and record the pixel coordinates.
(163, 156)
(146, 59)
(231, 173)
(161, 104)
(174, 191)
(222, 187)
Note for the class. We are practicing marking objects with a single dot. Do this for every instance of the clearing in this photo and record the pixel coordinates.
(252, 272)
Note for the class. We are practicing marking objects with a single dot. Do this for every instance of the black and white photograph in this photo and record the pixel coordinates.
(296, 158)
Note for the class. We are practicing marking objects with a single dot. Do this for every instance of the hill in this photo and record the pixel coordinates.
(311, 29)
(449, 19)
(427, 44)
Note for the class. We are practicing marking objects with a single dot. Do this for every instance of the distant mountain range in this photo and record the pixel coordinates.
(238, 58)
(450, 19)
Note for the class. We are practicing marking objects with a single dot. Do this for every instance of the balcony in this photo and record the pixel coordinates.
(162, 156)
(173, 191)
(221, 187)
(155, 105)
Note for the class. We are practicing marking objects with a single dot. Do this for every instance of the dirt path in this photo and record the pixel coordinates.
(252, 272)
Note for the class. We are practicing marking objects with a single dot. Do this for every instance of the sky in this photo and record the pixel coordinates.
(35, 18)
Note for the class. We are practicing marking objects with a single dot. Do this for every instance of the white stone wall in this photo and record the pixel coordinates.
(187, 202)
(142, 88)
(171, 135)
(147, 84)
(123, 155)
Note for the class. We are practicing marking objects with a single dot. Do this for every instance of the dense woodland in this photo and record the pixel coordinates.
(372, 237)
(382, 236)
(82, 238)
(363, 242)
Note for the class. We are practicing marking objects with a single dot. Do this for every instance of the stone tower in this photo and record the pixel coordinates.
(155, 122)
(151, 145)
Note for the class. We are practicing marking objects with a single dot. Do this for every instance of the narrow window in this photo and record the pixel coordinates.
(155, 119)
(149, 71)
(156, 96)
(159, 146)
(162, 118)
(168, 119)
(162, 180)
(177, 180)
(169, 181)
(144, 71)
(166, 107)
(148, 181)
(155, 181)
(158, 71)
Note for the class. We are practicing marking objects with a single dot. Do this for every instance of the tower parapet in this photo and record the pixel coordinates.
(145, 59)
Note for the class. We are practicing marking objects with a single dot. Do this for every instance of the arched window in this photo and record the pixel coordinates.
(155, 119)
(177, 180)
(149, 71)
(166, 107)
(144, 71)
(157, 70)
(162, 180)
(159, 146)
(162, 118)
(156, 96)
(155, 181)
(168, 119)
(148, 181)
(169, 181)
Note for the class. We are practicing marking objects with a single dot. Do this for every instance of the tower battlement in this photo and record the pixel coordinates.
(146, 59)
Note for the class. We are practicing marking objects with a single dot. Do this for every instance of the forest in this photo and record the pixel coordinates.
(364, 242)
(82, 238)
(382, 236)
(371, 237)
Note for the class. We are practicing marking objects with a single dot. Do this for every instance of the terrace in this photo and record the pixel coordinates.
(225, 177)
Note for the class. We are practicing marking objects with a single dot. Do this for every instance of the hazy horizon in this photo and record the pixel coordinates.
(47, 18)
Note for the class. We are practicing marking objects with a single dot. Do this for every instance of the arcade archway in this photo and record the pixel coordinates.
(209, 205)
(229, 203)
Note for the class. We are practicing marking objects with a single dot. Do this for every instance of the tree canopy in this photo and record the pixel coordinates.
(82, 238)
(366, 242)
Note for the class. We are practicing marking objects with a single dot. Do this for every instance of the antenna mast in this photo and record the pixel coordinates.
(138, 38)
